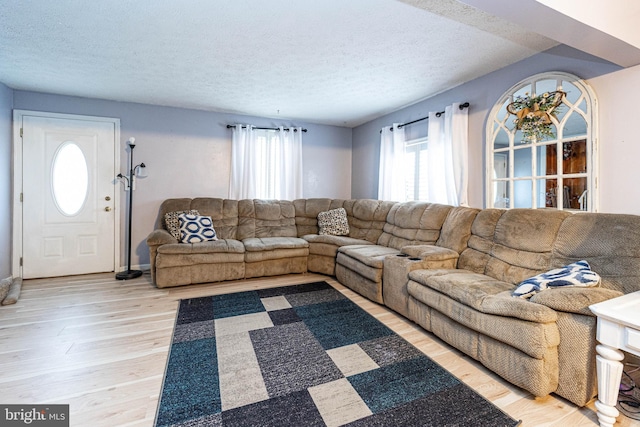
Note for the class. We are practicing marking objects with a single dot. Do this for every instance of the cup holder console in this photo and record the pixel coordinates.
(411, 258)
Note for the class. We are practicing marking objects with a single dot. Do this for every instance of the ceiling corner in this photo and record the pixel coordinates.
(573, 26)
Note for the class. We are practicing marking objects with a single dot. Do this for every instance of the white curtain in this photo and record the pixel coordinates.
(290, 151)
(448, 157)
(242, 181)
(266, 164)
(391, 177)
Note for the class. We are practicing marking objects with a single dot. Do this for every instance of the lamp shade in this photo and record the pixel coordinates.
(141, 171)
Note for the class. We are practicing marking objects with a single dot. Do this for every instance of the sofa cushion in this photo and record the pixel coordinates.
(222, 251)
(199, 260)
(608, 241)
(366, 262)
(335, 240)
(328, 245)
(476, 256)
(574, 300)
(456, 229)
(482, 293)
(307, 211)
(369, 255)
(333, 222)
(172, 224)
(266, 218)
(223, 213)
(540, 337)
(413, 223)
(217, 246)
(269, 248)
(196, 228)
(260, 244)
(430, 252)
(367, 217)
(523, 242)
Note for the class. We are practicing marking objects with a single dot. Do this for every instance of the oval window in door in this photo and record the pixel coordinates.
(69, 178)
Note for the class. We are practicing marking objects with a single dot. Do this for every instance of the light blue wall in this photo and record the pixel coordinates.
(188, 153)
(6, 104)
(481, 93)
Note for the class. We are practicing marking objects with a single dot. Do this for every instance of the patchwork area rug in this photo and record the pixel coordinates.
(305, 355)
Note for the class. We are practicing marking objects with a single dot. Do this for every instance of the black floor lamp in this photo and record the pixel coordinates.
(138, 171)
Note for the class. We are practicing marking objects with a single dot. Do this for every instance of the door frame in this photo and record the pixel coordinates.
(17, 243)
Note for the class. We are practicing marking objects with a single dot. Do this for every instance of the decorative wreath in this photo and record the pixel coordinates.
(533, 114)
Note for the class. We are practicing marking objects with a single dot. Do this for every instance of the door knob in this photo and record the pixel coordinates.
(108, 209)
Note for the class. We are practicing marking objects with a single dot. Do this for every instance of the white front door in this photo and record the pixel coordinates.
(68, 186)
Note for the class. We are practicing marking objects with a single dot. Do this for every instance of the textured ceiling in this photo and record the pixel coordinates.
(338, 62)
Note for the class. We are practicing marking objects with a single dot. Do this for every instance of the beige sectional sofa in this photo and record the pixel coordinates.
(451, 270)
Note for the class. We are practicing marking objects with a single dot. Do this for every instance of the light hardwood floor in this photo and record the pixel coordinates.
(101, 345)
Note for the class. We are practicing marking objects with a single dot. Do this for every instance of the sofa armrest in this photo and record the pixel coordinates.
(395, 274)
(159, 237)
(574, 300)
(432, 256)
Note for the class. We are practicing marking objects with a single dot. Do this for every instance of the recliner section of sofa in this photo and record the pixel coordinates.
(255, 238)
(176, 264)
(407, 224)
(267, 229)
(481, 318)
(366, 220)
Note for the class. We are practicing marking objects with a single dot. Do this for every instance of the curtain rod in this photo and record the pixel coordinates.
(285, 129)
(438, 114)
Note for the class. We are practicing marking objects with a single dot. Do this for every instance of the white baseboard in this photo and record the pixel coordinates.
(142, 267)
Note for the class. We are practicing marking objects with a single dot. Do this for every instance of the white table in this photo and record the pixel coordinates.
(618, 329)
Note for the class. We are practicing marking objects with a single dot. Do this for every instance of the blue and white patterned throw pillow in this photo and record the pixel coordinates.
(576, 274)
(196, 228)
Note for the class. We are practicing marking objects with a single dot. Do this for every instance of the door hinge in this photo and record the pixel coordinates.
(21, 132)
(21, 197)
(20, 261)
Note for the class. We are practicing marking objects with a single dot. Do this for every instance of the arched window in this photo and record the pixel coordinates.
(555, 169)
